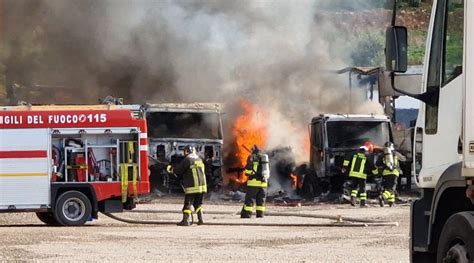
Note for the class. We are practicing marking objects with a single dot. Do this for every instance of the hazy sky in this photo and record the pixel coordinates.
(405, 102)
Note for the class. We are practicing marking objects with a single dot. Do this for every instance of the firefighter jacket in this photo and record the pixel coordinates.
(386, 170)
(253, 170)
(359, 166)
(191, 172)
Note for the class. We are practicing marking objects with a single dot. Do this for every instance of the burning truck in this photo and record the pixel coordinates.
(333, 138)
(173, 126)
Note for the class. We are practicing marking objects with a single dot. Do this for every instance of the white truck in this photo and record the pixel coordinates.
(442, 220)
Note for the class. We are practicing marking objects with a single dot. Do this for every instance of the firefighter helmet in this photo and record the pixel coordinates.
(255, 149)
(389, 145)
(363, 148)
(188, 149)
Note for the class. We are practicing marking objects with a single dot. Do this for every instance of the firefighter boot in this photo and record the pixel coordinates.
(244, 213)
(362, 203)
(259, 214)
(353, 201)
(381, 201)
(185, 221)
(200, 220)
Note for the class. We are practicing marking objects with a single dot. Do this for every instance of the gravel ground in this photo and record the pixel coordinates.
(23, 237)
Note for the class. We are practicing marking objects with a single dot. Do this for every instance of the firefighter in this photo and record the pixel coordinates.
(389, 165)
(257, 170)
(191, 171)
(358, 167)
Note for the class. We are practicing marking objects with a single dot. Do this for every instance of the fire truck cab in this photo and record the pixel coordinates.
(67, 163)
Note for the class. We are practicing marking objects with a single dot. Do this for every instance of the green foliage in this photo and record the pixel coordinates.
(454, 50)
(416, 47)
(368, 50)
(416, 55)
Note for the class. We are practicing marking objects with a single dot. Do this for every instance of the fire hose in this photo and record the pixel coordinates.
(340, 221)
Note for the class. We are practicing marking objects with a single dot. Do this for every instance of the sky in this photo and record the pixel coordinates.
(405, 102)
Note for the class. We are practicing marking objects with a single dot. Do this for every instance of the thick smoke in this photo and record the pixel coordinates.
(273, 53)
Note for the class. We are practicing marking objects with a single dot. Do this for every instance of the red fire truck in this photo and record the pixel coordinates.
(67, 163)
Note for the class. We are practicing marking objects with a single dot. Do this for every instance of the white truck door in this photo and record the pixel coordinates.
(468, 110)
(24, 168)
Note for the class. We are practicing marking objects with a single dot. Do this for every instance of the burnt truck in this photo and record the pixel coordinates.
(334, 137)
(172, 126)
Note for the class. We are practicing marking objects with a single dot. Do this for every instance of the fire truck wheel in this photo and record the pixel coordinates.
(456, 243)
(47, 218)
(72, 208)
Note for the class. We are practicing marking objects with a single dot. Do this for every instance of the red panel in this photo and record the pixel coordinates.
(69, 119)
(23, 154)
(106, 190)
(143, 141)
(145, 172)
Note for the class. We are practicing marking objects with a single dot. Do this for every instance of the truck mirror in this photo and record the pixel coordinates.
(396, 55)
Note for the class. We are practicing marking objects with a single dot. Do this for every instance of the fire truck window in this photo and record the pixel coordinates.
(317, 142)
(453, 48)
(183, 125)
(434, 67)
(351, 134)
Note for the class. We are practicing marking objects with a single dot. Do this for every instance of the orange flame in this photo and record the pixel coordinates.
(306, 146)
(294, 180)
(249, 129)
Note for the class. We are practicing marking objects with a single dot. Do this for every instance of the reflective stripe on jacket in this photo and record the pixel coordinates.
(358, 163)
(191, 169)
(395, 171)
(253, 170)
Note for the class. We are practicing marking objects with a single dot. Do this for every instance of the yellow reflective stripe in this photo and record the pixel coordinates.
(131, 152)
(134, 181)
(187, 211)
(195, 175)
(124, 181)
(197, 165)
(199, 209)
(248, 208)
(363, 196)
(345, 163)
(23, 174)
(389, 172)
(196, 189)
(255, 166)
(362, 165)
(354, 193)
(256, 183)
(375, 171)
(392, 197)
(360, 173)
(260, 208)
(357, 175)
(247, 171)
(386, 194)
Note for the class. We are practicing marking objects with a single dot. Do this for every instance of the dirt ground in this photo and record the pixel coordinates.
(23, 237)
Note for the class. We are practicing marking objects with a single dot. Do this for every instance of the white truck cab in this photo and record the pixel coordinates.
(442, 220)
